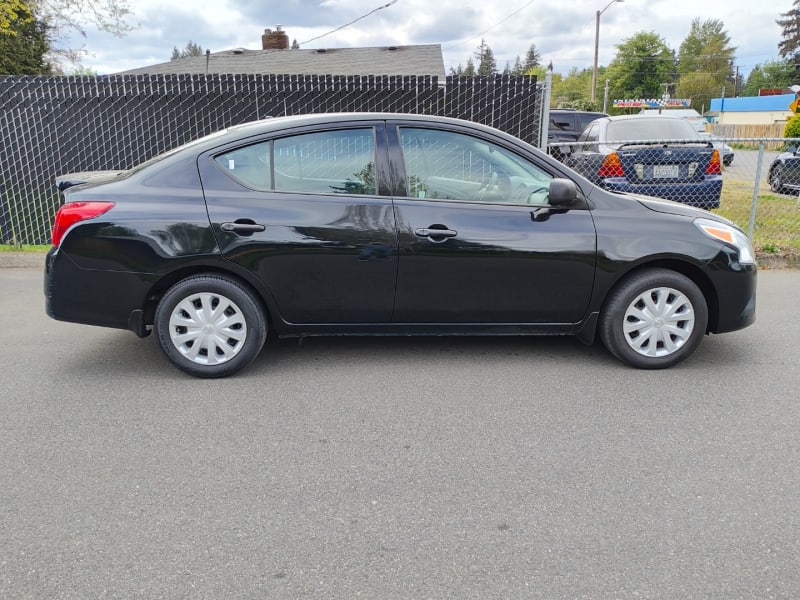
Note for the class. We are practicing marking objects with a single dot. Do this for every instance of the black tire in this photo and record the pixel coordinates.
(210, 325)
(654, 319)
(776, 180)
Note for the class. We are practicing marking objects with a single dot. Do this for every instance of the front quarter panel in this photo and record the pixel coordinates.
(631, 237)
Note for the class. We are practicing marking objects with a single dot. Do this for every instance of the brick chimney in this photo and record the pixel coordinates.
(275, 40)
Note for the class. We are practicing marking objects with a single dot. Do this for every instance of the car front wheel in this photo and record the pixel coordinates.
(776, 180)
(654, 319)
(210, 325)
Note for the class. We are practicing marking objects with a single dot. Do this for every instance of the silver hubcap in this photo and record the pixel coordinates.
(208, 329)
(658, 322)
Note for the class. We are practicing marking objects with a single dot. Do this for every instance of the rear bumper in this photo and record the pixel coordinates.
(702, 194)
(90, 296)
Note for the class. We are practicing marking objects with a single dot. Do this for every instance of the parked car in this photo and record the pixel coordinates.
(658, 155)
(385, 224)
(725, 151)
(784, 172)
(566, 125)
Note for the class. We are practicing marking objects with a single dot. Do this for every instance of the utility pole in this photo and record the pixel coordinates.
(597, 46)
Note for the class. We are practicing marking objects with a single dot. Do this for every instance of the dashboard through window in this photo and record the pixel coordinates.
(452, 166)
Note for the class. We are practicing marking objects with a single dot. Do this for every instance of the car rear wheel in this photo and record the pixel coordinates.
(654, 319)
(776, 180)
(210, 325)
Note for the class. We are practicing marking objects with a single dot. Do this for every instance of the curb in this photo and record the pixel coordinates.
(22, 260)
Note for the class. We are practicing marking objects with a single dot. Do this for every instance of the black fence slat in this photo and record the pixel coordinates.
(55, 125)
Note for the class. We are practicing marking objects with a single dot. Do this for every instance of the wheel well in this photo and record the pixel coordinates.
(170, 279)
(692, 272)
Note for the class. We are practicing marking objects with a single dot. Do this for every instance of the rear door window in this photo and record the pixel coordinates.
(327, 162)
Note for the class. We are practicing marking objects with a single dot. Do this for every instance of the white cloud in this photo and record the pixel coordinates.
(562, 31)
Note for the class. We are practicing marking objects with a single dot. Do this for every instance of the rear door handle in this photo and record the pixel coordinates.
(435, 234)
(242, 227)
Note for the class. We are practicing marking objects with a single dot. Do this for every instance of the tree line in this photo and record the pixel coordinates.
(702, 68)
(33, 34)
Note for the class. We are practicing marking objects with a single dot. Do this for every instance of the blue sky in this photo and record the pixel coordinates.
(562, 31)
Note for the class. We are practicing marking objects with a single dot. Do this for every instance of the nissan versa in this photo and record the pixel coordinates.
(386, 224)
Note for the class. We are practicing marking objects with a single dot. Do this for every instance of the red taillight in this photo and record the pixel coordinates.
(715, 164)
(611, 167)
(74, 212)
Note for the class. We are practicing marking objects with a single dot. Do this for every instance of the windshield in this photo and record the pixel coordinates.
(646, 129)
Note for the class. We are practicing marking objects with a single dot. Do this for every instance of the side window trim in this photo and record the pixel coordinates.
(383, 174)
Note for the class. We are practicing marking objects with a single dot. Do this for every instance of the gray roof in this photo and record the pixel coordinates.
(387, 60)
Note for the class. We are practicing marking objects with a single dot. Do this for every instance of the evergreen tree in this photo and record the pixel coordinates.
(462, 72)
(191, 49)
(789, 46)
(517, 69)
(470, 70)
(24, 46)
(487, 65)
(705, 63)
(532, 59)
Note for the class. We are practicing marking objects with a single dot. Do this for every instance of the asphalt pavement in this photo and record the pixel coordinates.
(398, 468)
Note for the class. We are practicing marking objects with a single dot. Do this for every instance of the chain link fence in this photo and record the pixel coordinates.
(754, 186)
(53, 126)
(58, 125)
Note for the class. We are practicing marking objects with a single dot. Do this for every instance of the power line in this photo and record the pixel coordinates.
(500, 22)
(364, 16)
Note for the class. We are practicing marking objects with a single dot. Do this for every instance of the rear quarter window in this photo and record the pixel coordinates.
(249, 166)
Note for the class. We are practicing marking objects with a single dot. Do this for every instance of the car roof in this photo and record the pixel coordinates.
(275, 123)
(640, 117)
(244, 131)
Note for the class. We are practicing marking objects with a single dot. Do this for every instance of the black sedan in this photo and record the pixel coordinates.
(784, 172)
(386, 224)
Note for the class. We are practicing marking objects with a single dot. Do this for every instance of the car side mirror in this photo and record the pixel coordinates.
(563, 193)
(792, 149)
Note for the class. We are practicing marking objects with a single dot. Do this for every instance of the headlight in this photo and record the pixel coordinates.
(733, 236)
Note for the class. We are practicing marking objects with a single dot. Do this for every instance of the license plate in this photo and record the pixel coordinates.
(665, 171)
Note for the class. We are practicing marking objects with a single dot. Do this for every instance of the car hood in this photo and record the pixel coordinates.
(676, 208)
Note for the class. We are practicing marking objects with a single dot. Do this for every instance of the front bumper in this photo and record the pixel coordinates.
(736, 286)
